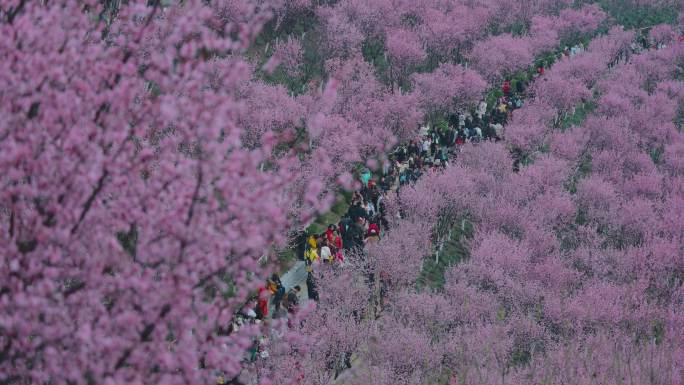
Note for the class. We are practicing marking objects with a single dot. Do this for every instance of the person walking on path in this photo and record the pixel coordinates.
(311, 288)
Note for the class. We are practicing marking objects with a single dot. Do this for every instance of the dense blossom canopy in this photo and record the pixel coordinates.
(449, 88)
(157, 156)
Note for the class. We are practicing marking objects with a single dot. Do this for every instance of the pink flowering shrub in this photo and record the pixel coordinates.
(500, 56)
(449, 88)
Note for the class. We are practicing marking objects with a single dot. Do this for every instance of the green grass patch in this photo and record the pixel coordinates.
(337, 210)
(632, 16)
(578, 116)
(454, 251)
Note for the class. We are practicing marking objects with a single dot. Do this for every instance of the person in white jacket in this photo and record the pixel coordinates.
(481, 109)
(326, 254)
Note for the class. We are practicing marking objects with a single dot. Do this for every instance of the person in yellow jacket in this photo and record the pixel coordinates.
(503, 108)
(311, 255)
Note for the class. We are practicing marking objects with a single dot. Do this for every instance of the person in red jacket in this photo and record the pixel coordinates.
(506, 88)
(329, 233)
(262, 303)
(374, 226)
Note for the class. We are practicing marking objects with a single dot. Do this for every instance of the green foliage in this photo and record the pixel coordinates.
(520, 77)
(501, 314)
(519, 357)
(527, 159)
(410, 19)
(493, 96)
(338, 209)
(231, 287)
(302, 26)
(521, 158)
(373, 50)
(441, 124)
(633, 16)
(656, 154)
(658, 330)
(295, 24)
(226, 288)
(279, 76)
(519, 28)
(581, 217)
(578, 117)
(679, 118)
(453, 252)
(583, 169)
(286, 257)
(548, 60)
(312, 66)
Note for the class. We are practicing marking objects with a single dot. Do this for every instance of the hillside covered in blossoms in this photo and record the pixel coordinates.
(342, 192)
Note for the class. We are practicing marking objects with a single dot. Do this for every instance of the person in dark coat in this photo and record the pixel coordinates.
(356, 235)
(343, 226)
(311, 288)
(300, 244)
(292, 299)
(357, 211)
(280, 292)
(451, 137)
(520, 86)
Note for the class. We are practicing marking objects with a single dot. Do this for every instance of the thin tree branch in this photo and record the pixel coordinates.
(91, 199)
(13, 12)
(195, 194)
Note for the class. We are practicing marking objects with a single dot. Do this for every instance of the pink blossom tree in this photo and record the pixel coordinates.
(544, 34)
(561, 92)
(445, 38)
(289, 54)
(340, 37)
(501, 56)
(148, 163)
(448, 89)
(576, 22)
(134, 210)
(267, 109)
(404, 51)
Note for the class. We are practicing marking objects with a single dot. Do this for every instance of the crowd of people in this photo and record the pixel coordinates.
(365, 219)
